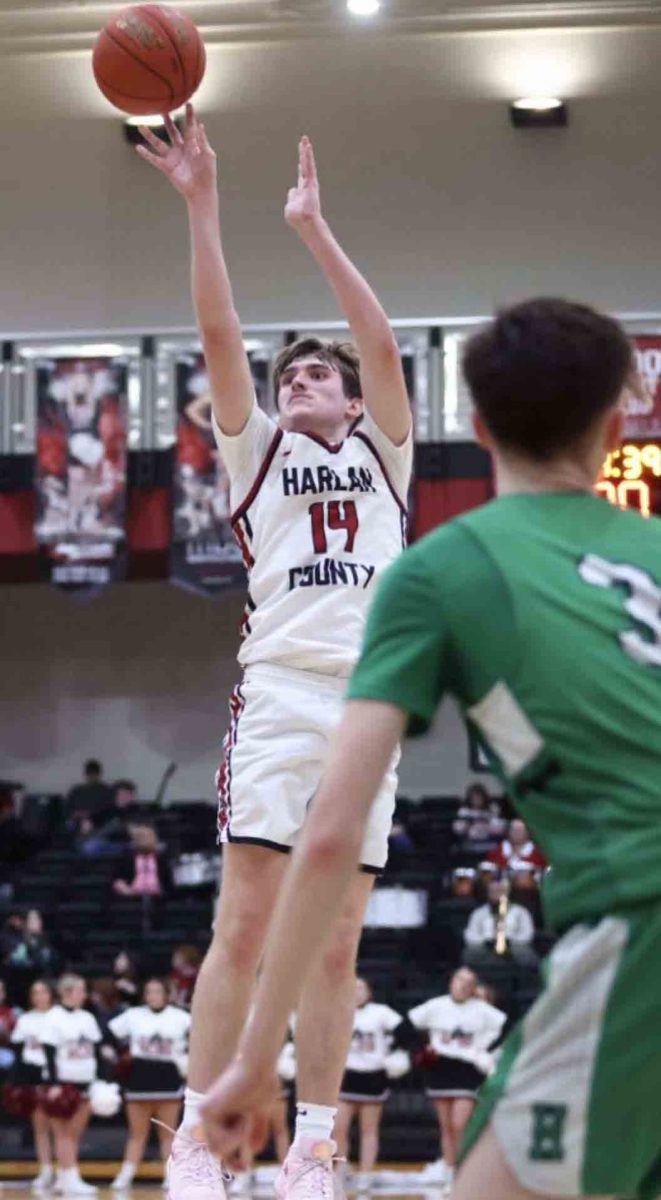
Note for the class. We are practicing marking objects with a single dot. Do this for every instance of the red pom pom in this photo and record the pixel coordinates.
(59, 1099)
(19, 1099)
(426, 1058)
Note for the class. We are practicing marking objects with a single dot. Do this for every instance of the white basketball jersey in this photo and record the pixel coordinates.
(317, 525)
(371, 1037)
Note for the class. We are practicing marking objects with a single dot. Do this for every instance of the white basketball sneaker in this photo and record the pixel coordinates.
(44, 1180)
(192, 1172)
(307, 1172)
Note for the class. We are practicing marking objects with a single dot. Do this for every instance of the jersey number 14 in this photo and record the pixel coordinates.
(333, 514)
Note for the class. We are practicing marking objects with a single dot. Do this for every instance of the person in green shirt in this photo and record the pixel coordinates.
(541, 614)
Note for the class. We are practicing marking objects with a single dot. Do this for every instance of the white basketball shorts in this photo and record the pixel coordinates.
(281, 722)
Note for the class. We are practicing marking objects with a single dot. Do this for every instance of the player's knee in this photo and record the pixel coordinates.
(338, 961)
(239, 939)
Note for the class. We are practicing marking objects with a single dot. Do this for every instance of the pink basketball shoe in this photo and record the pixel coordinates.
(192, 1172)
(307, 1172)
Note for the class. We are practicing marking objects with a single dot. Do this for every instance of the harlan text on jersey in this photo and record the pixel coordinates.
(314, 481)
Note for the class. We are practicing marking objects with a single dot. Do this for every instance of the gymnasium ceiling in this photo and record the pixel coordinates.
(61, 26)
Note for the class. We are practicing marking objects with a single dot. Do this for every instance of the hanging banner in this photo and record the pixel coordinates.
(643, 406)
(205, 556)
(80, 477)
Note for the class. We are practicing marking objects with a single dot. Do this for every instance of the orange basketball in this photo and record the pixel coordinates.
(149, 58)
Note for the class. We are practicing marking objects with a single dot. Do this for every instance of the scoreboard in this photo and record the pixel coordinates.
(631, 477)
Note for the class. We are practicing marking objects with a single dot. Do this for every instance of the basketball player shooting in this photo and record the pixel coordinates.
(541, 613)
(319, 511)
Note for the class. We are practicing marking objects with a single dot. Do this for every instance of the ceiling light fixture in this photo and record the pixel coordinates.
(539, 112)
(153, 122)
(363, 8)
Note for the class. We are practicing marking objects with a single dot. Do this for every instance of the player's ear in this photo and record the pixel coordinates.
(482, 435)
(614, 428)
(354, 407)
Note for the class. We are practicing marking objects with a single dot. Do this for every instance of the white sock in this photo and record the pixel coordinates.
(192, 1102)
(314, 1120)
(126, 1171)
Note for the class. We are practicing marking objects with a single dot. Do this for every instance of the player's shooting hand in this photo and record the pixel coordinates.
(234, 1113)
(187, 159)
(303, 205)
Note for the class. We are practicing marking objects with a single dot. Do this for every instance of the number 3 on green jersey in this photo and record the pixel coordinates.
(643, 603)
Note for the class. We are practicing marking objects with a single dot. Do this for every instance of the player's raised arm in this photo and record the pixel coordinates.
(189, 163)
(384, 389)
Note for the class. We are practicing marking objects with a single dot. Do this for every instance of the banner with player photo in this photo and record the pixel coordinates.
(643, 406)
(205, 556)
(80, 474)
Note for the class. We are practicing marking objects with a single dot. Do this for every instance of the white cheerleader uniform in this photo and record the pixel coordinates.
(28, 1032)
(158, 1042)
(317, 525)
(74, 1033)
(365, 1080)
(461, 1034)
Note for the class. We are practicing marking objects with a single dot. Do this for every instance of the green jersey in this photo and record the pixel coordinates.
(541, 614)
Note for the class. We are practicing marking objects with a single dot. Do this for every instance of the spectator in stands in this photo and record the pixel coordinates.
(478, 823)
(525, 889)
(15, 844)
(400, 845)
(144, 871)
(185, 965)
(484, 926)
(461, 1030)
(8, 1018)
(105, 1000)
(124, 811)
(12, 933)
(517, 845)
(30, 948)
(89, 798)
(125, 977)
(463, 883)
(109, 834)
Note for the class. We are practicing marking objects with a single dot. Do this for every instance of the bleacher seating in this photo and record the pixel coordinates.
(89, 926)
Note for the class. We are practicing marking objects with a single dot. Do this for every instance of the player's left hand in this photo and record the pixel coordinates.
(235, 1111)
(303, 205)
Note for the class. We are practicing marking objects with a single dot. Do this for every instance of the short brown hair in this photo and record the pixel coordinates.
(541, 372)
(343, 356)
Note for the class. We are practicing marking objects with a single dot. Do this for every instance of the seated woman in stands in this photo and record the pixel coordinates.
(479, 822)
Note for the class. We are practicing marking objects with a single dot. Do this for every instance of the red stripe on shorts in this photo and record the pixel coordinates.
(224, 772)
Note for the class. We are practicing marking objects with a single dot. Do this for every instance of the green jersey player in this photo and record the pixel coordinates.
(541, 614)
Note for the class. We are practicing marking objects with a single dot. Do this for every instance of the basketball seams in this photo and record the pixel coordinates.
(145, 66)
(164, 28)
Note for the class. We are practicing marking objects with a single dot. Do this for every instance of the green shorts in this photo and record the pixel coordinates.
(575, 1101)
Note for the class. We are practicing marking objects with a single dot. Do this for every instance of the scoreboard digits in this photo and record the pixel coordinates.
(631, 477)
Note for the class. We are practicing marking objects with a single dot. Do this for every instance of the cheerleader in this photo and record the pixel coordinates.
(461, 1029)
(364, 1089)
(30, 1070)
(158, 1034)
(72, 1041)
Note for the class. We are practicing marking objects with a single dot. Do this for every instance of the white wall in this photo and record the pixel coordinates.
(139, 677)
(447, 208)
